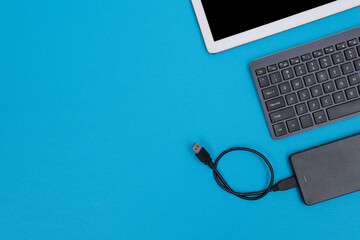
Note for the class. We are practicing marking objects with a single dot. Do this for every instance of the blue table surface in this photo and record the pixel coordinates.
(101, 102)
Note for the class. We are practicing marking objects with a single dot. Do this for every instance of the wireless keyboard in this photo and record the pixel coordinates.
(311, 85)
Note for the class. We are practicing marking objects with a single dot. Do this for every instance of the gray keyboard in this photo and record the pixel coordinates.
(311, 85)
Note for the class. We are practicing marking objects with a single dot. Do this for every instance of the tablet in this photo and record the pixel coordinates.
(227, 24)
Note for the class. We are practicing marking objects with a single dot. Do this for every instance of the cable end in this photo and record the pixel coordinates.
(202, 155)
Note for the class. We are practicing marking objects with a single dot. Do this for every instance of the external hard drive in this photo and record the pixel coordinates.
(328, 171)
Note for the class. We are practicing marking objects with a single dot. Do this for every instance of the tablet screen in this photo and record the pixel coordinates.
(227, 18)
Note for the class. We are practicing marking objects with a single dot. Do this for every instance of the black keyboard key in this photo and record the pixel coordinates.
(357, 64)
(337, 58)
(272, 68)
(354, 79)
(309, 80)
(260, 71)
(326, 101)
(334, 72)
(297, 84)
(316, 91)
(275, 77)
(341, 83)
(291, 98)
(293, 125)
(319, 117)
(317, 53)
(263, 81)
(321, 76)
(282, 114)
(294, 60)
(304, 95)
(275, 103)
(283, 64)
(351, 93)
(284, 88)
(312, 66)
(306, 121)
(338, 97)
(343, 110)
(300, 70)
(287, 73)
(352, 42)
(270, 92)
(301, 108)
(314, 105)
(329, 49)
(306, 57)
(279, 129)
(329, 87)
(350, 53)
(347, 68)
(340, 46)
(325, 62)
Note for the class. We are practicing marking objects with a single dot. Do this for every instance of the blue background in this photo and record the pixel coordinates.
(100, 104)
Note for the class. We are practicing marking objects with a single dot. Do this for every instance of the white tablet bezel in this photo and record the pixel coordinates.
(267, 29)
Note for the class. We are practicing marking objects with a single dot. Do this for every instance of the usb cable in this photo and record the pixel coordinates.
(204, 157)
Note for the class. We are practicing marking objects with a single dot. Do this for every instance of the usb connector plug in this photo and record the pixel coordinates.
(202, 155)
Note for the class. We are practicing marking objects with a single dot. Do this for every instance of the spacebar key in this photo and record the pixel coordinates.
(343, 110)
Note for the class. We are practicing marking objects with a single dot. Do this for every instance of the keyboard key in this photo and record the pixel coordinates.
(287, 73)
(319, 117)
(314, 105)
(306, 121)
(270, 92)
(341, 83)
(334, 72)
(329, 87)
(350, 53)
(329, 49)
(304, 95)
(275, 77)
(263, 81)
(339, 97)
(306, 57)
(293, 125)
(337, 58)
(283, 64)
(316, 91)
(300, 70)
(309, 80)
(340, 46)
(297, 84)
(301, 108)
(284, 88)
(312, 66)
(351, 93)
(279, 129)
(347, 68)
(343, 110)
(272, 68)
(326, 101)
(321, 76)
(357, 65)
(275, 104)
(325, 62)
(291, 98)
(352, 42)
(354, 79)
(294, 60)
(282, 114)
(317, 53)
(260, 71)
